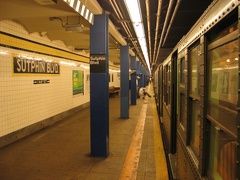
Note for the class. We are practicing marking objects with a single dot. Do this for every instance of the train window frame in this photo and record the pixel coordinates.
(194, 120)
(165, 94)
(182, 69)
(222, 153)
(182, 112)
(196, 47)
(217, 153)
(182, 95)
(225, 106)
(169, 86)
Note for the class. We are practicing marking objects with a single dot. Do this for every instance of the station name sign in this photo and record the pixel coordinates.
(97, 63)
(23, 65)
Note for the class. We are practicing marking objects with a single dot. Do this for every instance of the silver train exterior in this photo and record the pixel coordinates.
(197, 94)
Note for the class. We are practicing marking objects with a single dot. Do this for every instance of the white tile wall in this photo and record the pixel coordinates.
(21, 102)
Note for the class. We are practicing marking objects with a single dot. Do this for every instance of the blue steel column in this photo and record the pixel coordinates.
(99, 97)
(138, 80)
(141, 77)
(145, 77)
(133, 81)
(124, 82)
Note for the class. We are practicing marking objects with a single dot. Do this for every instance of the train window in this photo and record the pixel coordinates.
(182, 97)
(166, 85)
(193, 56)
(195, 127)
(183, 110)
(169, 86)
(194, 107)
(222, 159)
(222, 102)
(223, 84)
(182, 70)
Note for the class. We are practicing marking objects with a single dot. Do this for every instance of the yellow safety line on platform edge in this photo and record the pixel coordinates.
(129, 171)
(160, 159)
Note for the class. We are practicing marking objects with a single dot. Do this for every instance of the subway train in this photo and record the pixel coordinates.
(197, 96)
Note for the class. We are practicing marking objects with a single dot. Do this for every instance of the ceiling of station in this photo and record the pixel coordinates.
(165, 22)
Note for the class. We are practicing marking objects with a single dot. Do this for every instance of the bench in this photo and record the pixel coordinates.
(113, 91)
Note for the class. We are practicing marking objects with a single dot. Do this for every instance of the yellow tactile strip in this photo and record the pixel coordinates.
(129, 171)
(130, 168)
(160, 158)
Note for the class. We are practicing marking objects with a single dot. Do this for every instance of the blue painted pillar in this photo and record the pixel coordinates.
(141, 80)
(138, 76)
(99, 97)
(124, 82)
(133, 81)
(145, 77)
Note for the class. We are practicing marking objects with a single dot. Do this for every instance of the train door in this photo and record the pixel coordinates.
(194, 107)
(182, 94)
(160, 93)
(174, 110)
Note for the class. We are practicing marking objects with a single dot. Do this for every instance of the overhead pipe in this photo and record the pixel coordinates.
(149, 29)
(164, 27)
(120, 16)
(157, 27)
(95, 8)
(171, 21)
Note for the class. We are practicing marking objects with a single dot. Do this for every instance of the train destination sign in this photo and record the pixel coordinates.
(22, 65)
(97, 63)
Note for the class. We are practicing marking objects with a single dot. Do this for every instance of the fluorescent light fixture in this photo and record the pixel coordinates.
(134, 11)
(84, 66)
(139, 30)
(68, 63)
(2, 52)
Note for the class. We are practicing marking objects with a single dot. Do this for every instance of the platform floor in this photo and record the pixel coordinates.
(62, 151)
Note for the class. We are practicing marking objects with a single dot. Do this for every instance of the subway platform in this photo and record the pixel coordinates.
(62, 151)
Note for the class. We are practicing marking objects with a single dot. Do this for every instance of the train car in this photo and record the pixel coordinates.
(197, 95)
